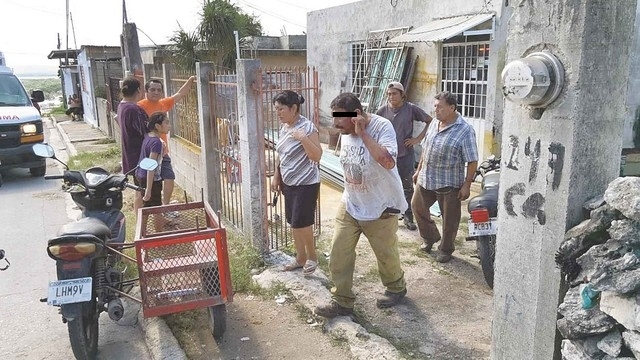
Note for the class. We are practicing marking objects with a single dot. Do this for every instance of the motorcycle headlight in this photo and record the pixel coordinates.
(29, 129)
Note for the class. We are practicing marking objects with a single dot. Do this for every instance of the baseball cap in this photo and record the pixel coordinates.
(395, 85)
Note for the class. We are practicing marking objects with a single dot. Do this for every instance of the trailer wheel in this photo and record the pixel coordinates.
(218, 320)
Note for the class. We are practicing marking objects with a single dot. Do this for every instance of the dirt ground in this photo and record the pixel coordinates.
(446, 314)
(448, 308)
(259, 329)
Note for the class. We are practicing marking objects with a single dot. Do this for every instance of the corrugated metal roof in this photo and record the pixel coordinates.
(442, 29)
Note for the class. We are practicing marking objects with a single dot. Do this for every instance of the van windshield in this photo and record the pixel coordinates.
(11, 91)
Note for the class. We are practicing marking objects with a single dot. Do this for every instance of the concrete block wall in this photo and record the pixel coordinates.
(185, 159)
(101, 109)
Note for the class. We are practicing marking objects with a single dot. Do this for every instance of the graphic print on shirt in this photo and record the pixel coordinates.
(353, 161)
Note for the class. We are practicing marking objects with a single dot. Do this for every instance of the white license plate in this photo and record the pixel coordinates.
(483, 228)
(69, 291)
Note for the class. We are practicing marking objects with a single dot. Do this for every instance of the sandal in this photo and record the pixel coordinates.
(309, 267)
(293, 265)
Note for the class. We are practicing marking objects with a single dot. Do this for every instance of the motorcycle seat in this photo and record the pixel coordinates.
(488, 199)
(83, 226)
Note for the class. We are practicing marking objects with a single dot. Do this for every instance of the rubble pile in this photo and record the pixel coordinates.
(600, 260)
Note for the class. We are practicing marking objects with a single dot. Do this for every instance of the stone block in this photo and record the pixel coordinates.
(579, 323)
(625, 309)
(632, 341)
(623, 194)
(611, 344)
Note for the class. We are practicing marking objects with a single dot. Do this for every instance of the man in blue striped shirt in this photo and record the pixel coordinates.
(449, 145)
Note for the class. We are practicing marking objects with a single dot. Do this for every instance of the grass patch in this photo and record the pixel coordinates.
(57, 110)
(242, 259)
(108, 159)
(105, 141)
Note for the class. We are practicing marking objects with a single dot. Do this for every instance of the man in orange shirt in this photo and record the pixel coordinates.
(156, 102)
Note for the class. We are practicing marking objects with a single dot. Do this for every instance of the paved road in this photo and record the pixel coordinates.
(31, 211)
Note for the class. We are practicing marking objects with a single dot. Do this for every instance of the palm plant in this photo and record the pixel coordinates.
(187, 48)
(218, 20)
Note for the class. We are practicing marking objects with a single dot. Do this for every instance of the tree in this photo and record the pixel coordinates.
(214, 39)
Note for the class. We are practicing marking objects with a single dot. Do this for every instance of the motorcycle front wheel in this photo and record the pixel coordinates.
(83, 332)
(487, 254)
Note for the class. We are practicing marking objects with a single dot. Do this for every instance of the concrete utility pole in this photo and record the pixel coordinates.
(556, 159)
(133, 59)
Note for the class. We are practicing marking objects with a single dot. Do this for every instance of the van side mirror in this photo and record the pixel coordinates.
(37, 95)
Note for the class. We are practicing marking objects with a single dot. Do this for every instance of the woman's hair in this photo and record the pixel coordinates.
(155, 119)
(129, 86)
(289, 98)
(347, 102)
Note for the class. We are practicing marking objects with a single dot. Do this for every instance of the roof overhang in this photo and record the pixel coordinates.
(62, 54)
(442, 29)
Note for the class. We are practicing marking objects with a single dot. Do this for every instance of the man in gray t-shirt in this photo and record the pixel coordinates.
(402, 114)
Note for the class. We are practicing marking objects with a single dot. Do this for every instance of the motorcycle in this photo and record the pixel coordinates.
(483, 211)
(87, 253)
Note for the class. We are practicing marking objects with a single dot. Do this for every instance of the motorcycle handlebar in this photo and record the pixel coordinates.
(134, 187)
(53, 177)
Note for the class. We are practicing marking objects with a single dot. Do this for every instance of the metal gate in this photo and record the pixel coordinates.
(270, 81)
(223, 90)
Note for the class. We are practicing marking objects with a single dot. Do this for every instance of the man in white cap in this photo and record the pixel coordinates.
(402, 114)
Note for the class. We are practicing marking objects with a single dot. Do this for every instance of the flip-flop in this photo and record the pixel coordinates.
(293, 265)
(309, 267)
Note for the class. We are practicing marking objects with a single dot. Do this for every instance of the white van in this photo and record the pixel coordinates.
(20, 125)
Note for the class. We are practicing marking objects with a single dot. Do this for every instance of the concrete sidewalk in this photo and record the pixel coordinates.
(79, 136)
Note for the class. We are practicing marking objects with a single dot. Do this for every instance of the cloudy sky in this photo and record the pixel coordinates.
(29, 28)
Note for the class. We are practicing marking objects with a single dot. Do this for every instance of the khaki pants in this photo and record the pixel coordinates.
(447, 199)
(382, 237)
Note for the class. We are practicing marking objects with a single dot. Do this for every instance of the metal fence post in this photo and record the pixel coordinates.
(167, 70)
(209, 157)
(254, 197)
(146, 72)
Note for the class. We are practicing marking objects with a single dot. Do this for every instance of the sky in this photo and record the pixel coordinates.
(29, 28)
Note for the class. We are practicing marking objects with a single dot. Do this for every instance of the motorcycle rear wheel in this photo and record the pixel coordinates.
(487, 254)
(83, 333)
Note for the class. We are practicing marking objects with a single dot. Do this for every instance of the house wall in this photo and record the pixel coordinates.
(86, 84)
(69, 83)
(294, 60)
(331, 31)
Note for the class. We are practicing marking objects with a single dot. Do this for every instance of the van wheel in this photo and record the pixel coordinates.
(38, 171)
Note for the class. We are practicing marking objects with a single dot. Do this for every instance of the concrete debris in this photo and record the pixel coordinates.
(311, 291)
(603, 253)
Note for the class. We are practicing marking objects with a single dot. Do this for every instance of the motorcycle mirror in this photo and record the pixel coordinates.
(44, 150)
(148, 164)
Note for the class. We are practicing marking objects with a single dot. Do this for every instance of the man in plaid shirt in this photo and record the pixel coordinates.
(449, 145)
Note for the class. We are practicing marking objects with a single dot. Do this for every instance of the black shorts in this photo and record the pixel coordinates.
(166, 170)
(156, 193)
(300, 204)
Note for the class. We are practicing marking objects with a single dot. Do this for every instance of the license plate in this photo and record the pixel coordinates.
(483, 228)
(69, 291)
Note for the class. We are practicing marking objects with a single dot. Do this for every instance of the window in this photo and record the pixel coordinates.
(464, 73)
(357, 66)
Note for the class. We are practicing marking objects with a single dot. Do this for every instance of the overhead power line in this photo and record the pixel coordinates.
(35, 8)
(253, 6)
